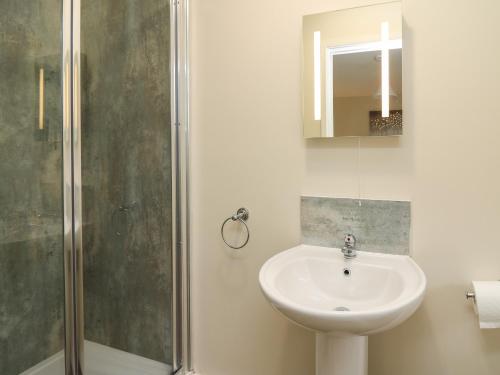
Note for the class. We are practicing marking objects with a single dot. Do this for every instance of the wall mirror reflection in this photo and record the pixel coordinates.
(352, 79)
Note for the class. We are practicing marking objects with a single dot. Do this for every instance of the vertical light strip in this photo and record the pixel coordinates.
(384, 32)
(41, 99)
(317, 75)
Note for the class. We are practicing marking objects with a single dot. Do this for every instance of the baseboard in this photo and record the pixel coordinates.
(103, 360)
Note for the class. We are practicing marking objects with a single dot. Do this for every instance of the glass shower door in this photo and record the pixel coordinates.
(86, 203)
(127, 185)
(31, 228)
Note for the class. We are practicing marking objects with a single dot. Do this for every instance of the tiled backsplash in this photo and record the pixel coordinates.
(379, 226)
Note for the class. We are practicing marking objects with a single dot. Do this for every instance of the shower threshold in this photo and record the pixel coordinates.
(103, 360)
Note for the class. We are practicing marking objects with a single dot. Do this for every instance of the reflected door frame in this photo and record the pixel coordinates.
(332, 51)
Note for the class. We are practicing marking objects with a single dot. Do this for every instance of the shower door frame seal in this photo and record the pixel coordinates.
(72, 188)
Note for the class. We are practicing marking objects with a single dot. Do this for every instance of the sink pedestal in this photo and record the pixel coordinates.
(341, 355)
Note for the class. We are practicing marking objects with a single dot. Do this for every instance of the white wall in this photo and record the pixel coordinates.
(454, 74)
(248, 150)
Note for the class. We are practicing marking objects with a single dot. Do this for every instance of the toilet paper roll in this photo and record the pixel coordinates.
(487, 303)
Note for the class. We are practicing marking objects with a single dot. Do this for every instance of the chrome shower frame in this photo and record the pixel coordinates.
(72, 187)
(181, 303)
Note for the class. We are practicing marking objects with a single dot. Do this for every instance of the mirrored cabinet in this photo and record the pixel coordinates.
(352, 78)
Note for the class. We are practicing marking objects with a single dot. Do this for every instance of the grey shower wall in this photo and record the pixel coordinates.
(126, 158)
(31, 266)
(127, 175)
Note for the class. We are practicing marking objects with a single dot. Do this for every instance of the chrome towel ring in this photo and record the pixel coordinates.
(242, 216)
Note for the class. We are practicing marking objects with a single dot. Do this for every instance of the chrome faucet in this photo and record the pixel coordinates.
(349, 249)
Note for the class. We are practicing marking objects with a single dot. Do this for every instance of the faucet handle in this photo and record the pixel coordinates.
(350, 241)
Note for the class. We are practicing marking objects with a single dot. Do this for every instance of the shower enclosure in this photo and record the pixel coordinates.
(94, 263)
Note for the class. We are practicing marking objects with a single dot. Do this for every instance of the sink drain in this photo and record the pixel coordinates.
(341, 308)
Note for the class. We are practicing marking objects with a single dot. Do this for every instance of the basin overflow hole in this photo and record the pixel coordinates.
(347, 272)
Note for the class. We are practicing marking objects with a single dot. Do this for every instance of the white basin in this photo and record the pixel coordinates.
(342, 300)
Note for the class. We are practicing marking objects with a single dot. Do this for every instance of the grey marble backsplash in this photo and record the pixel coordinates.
(379, 226)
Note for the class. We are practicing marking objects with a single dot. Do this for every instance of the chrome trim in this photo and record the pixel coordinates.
(470, 295)
(176, 302)
(181, 276)
(176, 362)
(183, 80)
(67, 191)
(77, 188)
(73, 269)
(349, 248)
(242, 216)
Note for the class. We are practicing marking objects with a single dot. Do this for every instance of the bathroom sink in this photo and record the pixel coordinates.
(317, 288)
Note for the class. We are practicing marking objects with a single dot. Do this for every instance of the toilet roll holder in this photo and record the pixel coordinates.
(470, 295)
